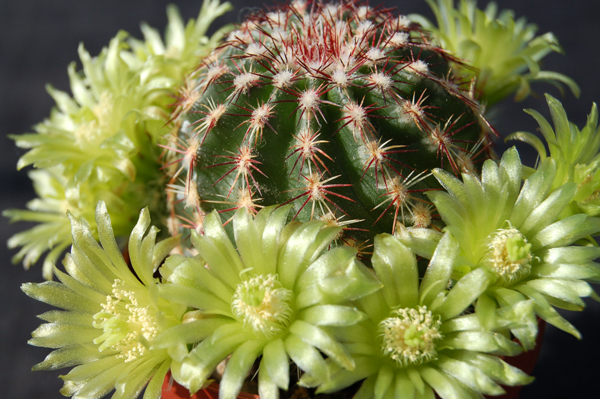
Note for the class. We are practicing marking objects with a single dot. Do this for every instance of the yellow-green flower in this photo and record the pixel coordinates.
(110, 315)
(514, 229)
(419, 340)
(575, 151)
(269, 299)
(101, 143)
(500, 53)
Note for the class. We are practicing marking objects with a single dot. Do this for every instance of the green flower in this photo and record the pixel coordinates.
(501, 55)
(418, 341)
(270, 299)
(101, 143)
(111, 316)
(517, 234)
(576, 153)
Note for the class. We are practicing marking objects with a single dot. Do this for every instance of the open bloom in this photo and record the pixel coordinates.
(417, 340)
(502, 54)
(110, 315)
(270, 299)
(575, 151)
(516, 232)
(101, 143)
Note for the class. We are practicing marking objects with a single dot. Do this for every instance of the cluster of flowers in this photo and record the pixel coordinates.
(432, 312)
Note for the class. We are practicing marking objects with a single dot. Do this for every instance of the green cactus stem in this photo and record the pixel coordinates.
(338, 109)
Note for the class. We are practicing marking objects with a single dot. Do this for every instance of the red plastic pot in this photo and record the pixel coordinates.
(172, 390)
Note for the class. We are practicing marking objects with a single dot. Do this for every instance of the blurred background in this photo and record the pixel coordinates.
(38, 39)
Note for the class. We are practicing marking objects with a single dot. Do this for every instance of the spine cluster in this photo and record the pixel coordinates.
(339, 109)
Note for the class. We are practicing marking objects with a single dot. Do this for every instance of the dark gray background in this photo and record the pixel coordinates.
(38, 39)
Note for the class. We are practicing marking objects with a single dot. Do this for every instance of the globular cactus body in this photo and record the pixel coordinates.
(339, 109)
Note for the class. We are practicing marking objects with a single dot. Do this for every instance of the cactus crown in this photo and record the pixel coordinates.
(339, 109)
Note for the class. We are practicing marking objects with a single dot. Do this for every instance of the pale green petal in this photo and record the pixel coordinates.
(497, 369)
(270, 236)
(220, 263)
(71, 356)
(67, 318)
(566, 231)
(318, 338)
(88, 371)
(404, 387)
(58, 335)
(190, 332)
(276, 363)
(107, 237)
(237, 369)
(292, 255)
(154, 388)
(332, 315)
(134, 379)
(101, 384)
(589, 271)
(476, 341)
(559, 289)
(549, 210)
(444, 386)
(421, 241)
(305, 356)
(138, 252)
(452, 185)
(534, 191)
(356, 281)
(471, 376)
(465, 292)
(451, 210)
(342, 378)
(213, 229)
(327, 264)
(547, 312)
(366, 389)
(60, 296)
(162, 250)
(267, 389)
(485, 309)
(573, 254)
(193, 273)
(385, 378)
(439, 270)
(194, 370)
(194, 298)
(396, 265)
(248, 241)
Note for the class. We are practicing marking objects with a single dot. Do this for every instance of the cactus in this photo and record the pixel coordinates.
(338, 109)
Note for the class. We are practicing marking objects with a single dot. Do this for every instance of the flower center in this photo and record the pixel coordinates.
(263, 304)
(510, 255)
(128, 326)
(408, 337)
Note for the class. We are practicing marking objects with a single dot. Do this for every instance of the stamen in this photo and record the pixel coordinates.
(262, 304)
(509, 255)
(408, 336)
